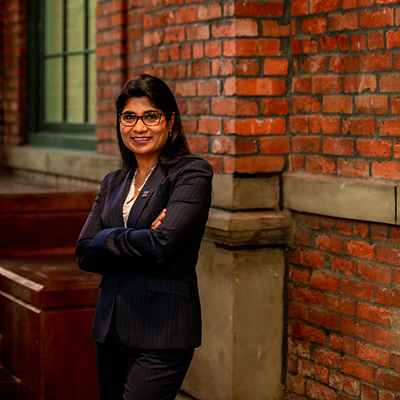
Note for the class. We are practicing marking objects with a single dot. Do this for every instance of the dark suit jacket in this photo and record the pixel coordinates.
(149, 277)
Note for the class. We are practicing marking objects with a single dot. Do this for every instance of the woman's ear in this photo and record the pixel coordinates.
(171, 122)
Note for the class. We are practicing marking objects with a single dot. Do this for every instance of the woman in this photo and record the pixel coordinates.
(143, 236)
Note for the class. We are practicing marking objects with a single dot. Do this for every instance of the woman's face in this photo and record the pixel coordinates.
(146, 142)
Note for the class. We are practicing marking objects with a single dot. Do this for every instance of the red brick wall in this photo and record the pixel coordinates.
(345, 117)
(343, 286)
(227, 64)
(12, 72)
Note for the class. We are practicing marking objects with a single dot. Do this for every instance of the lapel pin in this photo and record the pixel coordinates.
(145, 193)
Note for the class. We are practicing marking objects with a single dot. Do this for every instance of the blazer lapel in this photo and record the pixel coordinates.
(155, 179)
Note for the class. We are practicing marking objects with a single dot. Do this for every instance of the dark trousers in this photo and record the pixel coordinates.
(127, 373)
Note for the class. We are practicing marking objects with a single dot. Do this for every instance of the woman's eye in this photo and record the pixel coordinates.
(129, 117)
(151, 117)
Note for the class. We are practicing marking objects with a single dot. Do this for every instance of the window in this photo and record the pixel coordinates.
(62, 75)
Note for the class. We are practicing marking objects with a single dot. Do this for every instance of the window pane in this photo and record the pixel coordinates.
(75, 25)
(92, 24)
(53, 90)
(75, 89)
(53, 26)
(92, 89)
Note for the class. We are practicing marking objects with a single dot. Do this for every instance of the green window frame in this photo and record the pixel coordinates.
(62, 74)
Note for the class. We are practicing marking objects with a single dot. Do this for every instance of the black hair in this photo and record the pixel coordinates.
(160, 96)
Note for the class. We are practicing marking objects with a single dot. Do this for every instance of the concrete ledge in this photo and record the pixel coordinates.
(251, 228)
(78, 165)
(343, 198)
(246, 193)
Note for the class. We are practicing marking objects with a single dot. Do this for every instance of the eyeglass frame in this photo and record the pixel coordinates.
(141, 117)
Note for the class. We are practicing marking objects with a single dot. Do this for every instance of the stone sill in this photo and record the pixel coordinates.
(371, 201)
(249, 228)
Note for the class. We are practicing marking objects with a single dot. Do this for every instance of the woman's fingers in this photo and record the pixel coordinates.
(157, 222)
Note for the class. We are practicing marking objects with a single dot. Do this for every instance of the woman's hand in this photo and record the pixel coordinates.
(157, 222)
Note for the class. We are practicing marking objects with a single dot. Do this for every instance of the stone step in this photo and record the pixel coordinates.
(38, 216)
(9, 385)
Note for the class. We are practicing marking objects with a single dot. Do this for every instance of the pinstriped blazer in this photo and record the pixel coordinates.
(148, 276)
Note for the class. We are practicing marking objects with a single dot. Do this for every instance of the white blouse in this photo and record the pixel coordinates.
(126, 209)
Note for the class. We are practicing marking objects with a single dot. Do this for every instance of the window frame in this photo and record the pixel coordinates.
(66, 135)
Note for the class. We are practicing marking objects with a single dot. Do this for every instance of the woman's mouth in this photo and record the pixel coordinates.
(141, 139)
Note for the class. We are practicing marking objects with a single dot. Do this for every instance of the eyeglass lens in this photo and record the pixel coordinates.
(149, 119)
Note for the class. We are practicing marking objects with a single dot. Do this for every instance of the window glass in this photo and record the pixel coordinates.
(53, 21)
(75, 89)
(75, 25)
(53, 95)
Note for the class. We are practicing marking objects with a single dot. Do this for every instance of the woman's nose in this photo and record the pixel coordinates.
(140, 126)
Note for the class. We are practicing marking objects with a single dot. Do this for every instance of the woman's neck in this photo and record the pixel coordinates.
(144, 166)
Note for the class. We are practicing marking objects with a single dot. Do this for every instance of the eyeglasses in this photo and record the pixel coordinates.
(149, 119)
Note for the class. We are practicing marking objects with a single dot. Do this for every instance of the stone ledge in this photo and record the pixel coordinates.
(250, 228)
(71, 164)
(342, 198)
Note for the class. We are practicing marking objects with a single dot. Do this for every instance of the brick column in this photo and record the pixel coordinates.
(13, 38)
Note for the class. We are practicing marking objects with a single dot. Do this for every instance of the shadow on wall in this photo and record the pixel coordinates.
(4, 169)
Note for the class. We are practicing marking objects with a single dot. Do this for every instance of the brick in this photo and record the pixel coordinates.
(209, 12)
(356, 289)
(376, 41)
(296, 162)
(261, 126)
(295, 384)
(234, 107)
(347, 267)
(388, 170)
(274, 29)
(299, 348)
(198, 144)
(322, 242)
(328, 44)
(209, 87)
(306, 368)
(275, 145)
(372, 105)
(327, 357)
(252, 47)
(213, 49)
(389, 127)
(359, 84)
(301, 85)
(320, 165)
(211, 126)
(392, 40)
(297, 310)
(325, 125)
(222, 68)
(298, 124)
(339, 304)
(351, 386)
(307, 332)
(306, 144)
(348, 4)
(247, 67)
(386, 296)
(299, 7)
(358, 42)
(255, 87)
(224, 145)
(315, 25)
(342, 22)
(388, 254)
(324, 281)
(174, 34)
(326, 84)
(342, 344)
(372, 354)
(256, 9)
(355, 368)
(275, 106)
(359, 126)
(387, 379)
(276, 67)
(323, 319)
(318, 391)
(376, 62)
(198, 107)
(315, 64)
(341, 64)
(374, 148)
(338, 146)
(337, 104)
(378, 315)
(377, 19)
(307, 296)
